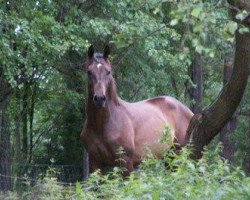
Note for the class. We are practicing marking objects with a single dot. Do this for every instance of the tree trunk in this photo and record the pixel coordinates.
(174, 85)
(25, 121)
(228, 146)
(246, 163)
(5, 147)
(31, 117)
(206, 125)
(17, 125)
(16, 147)
(85, 164)
(196, 75)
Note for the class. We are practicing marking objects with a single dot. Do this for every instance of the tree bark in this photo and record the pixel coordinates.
(204, 126)
(31, 117)
(196, 75)
(17, 125)
(228, 146)
(85, 164)
(174, 85)
(5, 146)
(24, 115)
(246, 163)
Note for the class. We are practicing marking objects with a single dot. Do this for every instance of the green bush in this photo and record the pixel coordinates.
(182, 178)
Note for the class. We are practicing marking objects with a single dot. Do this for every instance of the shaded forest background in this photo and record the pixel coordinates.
(159, 47)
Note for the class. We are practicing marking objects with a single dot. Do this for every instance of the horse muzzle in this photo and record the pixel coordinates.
(99, 100)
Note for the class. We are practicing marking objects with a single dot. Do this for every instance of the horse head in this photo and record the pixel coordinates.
(100, 79)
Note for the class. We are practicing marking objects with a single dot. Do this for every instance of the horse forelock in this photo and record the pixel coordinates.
(98, 57)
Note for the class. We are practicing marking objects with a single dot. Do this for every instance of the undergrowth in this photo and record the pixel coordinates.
(182, 178)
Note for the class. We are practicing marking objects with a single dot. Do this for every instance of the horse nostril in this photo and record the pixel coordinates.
(99, 99)
(95, 98)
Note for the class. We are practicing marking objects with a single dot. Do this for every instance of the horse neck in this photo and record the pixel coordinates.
(98, 117)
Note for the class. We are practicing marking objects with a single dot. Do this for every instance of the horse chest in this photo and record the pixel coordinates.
(102, 149)
(103, 143)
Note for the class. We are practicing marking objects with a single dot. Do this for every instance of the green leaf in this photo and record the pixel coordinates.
(241, 16)
(196, 11)
(232, 27)
(157, 10)
(199, 49)
(211, 54)
(173, 22)
(198, 28)
(244, 30)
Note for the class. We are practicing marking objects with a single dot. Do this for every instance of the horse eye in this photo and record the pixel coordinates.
(108, 72)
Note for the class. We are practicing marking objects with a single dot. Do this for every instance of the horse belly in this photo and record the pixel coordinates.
(148, 135)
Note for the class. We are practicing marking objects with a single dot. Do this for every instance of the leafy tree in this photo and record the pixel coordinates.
(154, 43)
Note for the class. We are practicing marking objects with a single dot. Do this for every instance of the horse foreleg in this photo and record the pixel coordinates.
(127, 164)
(93, 165)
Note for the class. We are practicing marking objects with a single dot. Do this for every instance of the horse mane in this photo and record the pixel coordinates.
(112, 91)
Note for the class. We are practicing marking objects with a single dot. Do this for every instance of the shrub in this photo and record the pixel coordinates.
(181, 178)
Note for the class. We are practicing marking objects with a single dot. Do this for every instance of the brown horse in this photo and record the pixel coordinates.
(112, 123)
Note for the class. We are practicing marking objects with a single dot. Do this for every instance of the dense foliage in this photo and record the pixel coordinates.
(154, 42)
(182, 178)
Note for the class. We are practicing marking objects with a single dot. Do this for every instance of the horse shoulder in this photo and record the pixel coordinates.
(88, 137)
(120, 131)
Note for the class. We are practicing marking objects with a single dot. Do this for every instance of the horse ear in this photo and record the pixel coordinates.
(91, 51)
(106, 52)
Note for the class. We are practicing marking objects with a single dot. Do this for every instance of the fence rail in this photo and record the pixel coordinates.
(22, 173)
